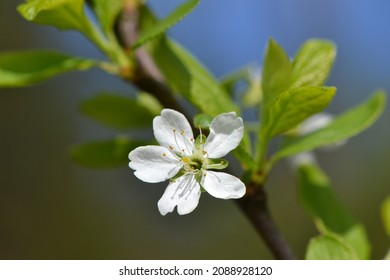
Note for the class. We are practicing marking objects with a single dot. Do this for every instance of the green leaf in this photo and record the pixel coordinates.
(107, 12)
(105, 154)
(321, 203)
(203, 121)
(294, 106)
(328, 247)
(30, 67)
(149, 102)
(344, 126)
(117, 111)
(63, 14)
(161, 26)
(191, 79)
(386, 215)
(313, 63)
(276, 75)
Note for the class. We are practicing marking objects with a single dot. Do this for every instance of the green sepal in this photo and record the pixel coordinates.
(161, 26)
(216, 163)
(26, 68)
(203, 121)
(105, 154)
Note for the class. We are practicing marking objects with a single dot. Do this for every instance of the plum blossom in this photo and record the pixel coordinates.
(188, 162)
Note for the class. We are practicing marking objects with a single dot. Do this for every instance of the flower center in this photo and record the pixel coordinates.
(192, 164)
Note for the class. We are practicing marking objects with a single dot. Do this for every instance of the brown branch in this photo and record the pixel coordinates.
(254, 205)
(147, 77)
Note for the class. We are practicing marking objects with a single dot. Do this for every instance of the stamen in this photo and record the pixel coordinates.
(164, 154)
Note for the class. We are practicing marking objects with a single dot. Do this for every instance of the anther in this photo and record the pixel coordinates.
(171, 148)
(164, 154)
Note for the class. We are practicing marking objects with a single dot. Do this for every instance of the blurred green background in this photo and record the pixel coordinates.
(51, 208)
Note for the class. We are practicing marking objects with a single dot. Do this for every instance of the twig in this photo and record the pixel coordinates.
(254, 205)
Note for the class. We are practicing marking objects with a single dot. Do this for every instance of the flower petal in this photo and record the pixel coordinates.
(223, 185)
(173, 131)
(183, 192)
(153, 164)
(226, 132)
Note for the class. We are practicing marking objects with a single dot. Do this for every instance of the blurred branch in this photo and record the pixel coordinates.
(254, 204)
(147, 77)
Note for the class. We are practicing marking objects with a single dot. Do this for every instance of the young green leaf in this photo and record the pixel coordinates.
(107, 12)
(63, 14)
(118, 111)
(294, 106)
(276, 75)
(104, 154)
(161, 26)
(191, 79)
(30, 67)
(312, 64)
(321, 203)
(328, 247)
(386, 215)
(344, 126)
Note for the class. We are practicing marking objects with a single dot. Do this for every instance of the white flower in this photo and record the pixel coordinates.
(187, 161)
